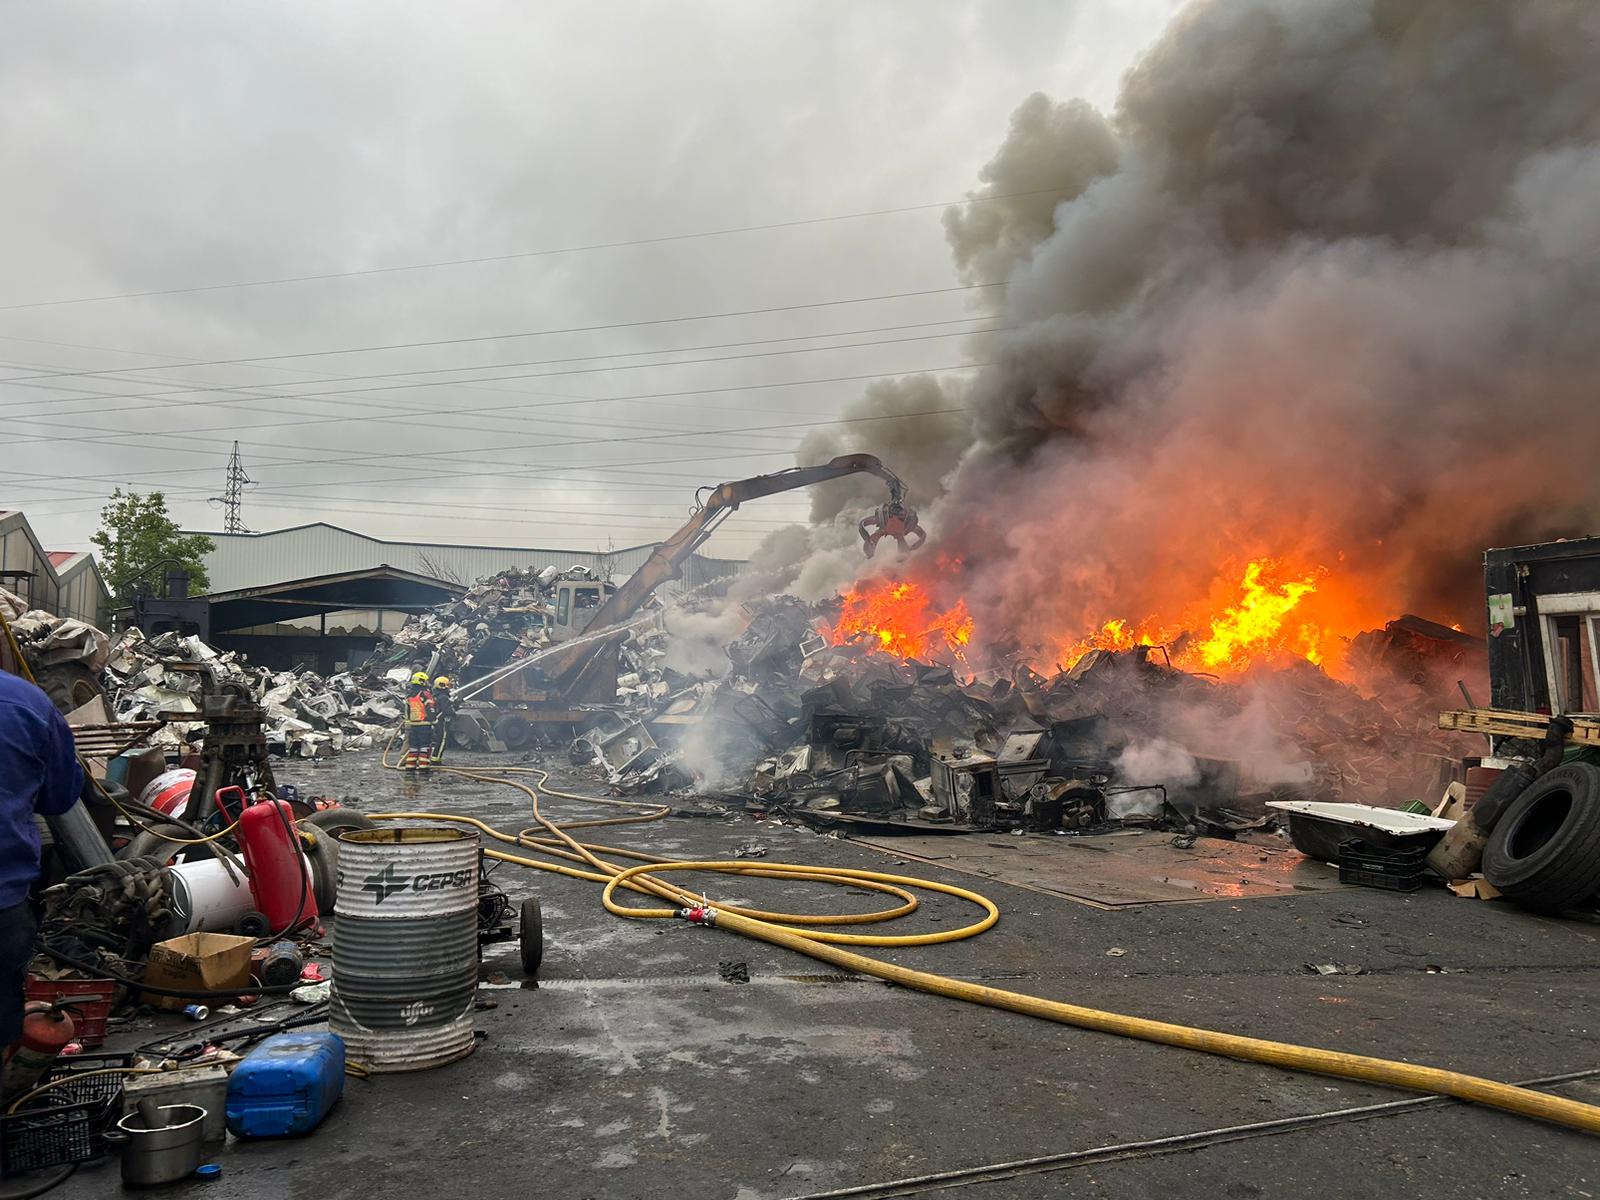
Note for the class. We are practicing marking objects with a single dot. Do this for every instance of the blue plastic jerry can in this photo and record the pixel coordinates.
(286, 1085)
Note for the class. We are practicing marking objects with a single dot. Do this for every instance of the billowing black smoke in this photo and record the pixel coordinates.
(1325, 287)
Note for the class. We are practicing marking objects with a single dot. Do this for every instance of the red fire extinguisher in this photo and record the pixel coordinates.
(46, 1029)
(280, 879)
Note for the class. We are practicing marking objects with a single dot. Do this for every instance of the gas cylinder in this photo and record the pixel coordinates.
(45, 1031)
(169, 792)
(280, 879)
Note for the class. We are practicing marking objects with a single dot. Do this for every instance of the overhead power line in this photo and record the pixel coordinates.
(533, 472)
(118, 375)
(319, 503)
(255, 391)
(671, 479)
(653, 437)
(501, 337)
(519, 254)
(546, 443)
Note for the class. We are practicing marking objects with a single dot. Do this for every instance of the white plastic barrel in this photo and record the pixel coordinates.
(405, 946)
(208, 894)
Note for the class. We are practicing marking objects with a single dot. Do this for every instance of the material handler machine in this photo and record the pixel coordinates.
(556, 686)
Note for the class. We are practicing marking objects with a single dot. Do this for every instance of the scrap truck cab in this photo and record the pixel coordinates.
(576, 603)
(542, 696)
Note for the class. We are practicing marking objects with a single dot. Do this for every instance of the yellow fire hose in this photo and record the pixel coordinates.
(825, 946)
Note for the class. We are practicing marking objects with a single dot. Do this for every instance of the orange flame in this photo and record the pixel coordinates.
(903, 620)
(1267, 614)
(1115, 634)
(1253, 628)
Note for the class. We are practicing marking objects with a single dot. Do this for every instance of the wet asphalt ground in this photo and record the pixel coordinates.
(636, 1069)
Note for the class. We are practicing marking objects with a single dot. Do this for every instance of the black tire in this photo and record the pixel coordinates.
(1544, 853)
(532, 937)
(331, 820)
(464, 733)
(164, 843)
(70, 685)
(513, 731)
(324, 825)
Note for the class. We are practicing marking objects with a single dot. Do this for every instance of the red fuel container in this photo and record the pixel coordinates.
(280, 878)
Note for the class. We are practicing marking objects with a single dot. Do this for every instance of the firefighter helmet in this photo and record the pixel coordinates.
(442, 681)
(419, 679)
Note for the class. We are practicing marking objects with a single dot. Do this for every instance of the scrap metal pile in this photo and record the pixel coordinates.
(306, 715)
(507, 617)
(501, 618)
(844, 732)
(65, 654)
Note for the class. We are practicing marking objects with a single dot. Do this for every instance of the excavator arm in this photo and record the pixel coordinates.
(712, 505)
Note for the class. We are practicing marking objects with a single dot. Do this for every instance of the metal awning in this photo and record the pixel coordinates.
(375, 587)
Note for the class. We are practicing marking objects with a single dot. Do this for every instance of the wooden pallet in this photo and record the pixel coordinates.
(110, 740)
(1503, 722)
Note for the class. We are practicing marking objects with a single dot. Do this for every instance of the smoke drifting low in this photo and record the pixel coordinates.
(1322, 288)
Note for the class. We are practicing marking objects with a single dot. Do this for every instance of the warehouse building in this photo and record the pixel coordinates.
(64, 582)
(322, 597)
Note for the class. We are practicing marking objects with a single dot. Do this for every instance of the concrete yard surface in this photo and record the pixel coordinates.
(636, 1069)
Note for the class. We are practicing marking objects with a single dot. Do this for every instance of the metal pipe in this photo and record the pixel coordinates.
(78, 839)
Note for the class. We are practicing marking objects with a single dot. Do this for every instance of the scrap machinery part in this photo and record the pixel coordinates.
(233, 750)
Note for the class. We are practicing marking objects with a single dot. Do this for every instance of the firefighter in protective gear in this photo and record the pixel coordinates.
(420, 713)
(445, 708)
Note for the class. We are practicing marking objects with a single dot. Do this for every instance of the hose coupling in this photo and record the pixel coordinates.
(699, 916)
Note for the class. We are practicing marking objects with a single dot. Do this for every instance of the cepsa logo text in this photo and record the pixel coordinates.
(440, 881)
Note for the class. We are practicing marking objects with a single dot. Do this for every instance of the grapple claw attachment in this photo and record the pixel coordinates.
(891, 520)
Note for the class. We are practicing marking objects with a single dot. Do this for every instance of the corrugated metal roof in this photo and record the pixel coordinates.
(245, 560)
(53, 584)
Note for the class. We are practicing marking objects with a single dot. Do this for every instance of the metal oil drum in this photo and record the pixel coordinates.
(405, 946)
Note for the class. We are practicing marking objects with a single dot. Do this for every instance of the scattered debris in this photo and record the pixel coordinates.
(1475, 888)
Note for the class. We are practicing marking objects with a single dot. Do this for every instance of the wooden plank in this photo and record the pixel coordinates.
(1504, 723)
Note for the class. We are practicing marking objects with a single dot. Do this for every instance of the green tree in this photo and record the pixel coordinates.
(136, 535)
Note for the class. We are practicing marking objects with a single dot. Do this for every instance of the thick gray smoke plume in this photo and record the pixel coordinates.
(1325, 287)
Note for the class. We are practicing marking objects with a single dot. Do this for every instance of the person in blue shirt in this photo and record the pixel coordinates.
(39, 773)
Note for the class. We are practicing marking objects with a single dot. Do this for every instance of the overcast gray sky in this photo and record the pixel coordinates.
(167, 146)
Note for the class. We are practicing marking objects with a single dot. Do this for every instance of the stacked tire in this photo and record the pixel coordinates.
(1544, 853)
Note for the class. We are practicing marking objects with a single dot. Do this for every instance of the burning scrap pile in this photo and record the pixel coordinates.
(835, 717)
(1245, 384)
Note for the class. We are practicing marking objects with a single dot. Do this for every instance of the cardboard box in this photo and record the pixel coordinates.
(202, 962)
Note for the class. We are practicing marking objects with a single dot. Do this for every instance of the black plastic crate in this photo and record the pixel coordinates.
(1396, 870)
(68, 1123)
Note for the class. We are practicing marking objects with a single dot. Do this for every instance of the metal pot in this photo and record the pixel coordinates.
(163, 1155)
